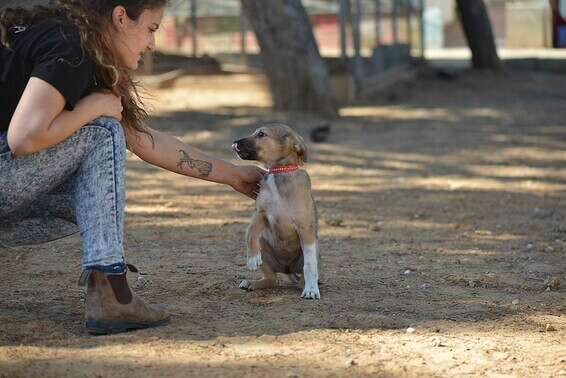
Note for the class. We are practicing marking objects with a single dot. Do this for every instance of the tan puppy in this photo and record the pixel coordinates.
(282, 236)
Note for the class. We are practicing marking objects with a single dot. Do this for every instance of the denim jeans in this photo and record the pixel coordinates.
(77, 185)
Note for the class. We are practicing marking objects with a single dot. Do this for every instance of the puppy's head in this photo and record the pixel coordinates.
(273, 144)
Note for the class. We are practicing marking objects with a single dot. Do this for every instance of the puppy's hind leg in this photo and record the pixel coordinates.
(266, 282)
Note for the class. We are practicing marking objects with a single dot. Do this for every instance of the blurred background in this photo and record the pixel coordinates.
(365, 45)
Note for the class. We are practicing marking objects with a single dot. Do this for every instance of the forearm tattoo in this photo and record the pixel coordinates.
(203, 167)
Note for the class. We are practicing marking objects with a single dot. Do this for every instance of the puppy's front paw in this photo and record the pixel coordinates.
(311, 292)
(254, 262)
(246, 285)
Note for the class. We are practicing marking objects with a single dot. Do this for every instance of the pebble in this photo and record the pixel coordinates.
(336, 222)
(410, 330)
(437, 343)
(407, 272)
(515, 301)
(142, 282)
(552, 283)
(549, 328)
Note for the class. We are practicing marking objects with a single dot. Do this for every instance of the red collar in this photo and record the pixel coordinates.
(283, 169)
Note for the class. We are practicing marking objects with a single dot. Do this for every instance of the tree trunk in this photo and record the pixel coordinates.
(477, 28)
(296, 73)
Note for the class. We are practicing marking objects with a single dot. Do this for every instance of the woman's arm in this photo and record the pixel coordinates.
(172, 154)
(40, 120)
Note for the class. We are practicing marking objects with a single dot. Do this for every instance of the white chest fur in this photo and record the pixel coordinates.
(269, 198)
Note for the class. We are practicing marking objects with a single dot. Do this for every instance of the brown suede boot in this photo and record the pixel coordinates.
(111, 307)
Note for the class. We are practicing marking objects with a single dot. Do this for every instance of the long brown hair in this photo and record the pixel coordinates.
(93, 19)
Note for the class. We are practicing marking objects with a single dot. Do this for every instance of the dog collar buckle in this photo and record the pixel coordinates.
(283, 169)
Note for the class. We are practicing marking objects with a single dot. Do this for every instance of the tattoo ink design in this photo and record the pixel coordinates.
(203, 167)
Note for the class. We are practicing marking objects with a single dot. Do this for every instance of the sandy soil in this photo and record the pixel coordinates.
(442, 237)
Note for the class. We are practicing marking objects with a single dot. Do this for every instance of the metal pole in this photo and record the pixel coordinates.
(377, 17)
(394, 19)
(378, 51)
(194, 27)
(342, 12)
(243, 41)
(409, 10)
(422, 28)
(356, 19)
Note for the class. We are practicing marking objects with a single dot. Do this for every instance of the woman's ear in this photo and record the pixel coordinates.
(119, 15)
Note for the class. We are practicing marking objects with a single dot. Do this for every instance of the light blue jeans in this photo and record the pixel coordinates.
(77, 185)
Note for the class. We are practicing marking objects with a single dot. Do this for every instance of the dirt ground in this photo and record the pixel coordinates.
(442, 237)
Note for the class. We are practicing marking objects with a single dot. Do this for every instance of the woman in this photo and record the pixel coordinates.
(68, 109)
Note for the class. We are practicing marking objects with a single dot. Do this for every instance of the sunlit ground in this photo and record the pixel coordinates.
(441, 228)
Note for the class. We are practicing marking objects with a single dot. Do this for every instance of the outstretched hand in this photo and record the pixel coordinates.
(247, 180)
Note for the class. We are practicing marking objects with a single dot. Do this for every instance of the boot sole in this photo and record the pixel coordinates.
(107, 327)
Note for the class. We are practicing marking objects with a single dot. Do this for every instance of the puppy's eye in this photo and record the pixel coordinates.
(261, 134)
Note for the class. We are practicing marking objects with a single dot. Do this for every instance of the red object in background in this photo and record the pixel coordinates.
(558, 23)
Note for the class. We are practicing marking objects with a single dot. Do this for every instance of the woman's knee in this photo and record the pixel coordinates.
(110, 127)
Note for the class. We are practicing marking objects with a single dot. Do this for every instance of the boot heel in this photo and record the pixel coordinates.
(107, 327)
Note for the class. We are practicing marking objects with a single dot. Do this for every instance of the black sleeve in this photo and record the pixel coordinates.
(63, 64)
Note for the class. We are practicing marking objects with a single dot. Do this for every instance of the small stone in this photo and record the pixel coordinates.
(336, 222)
(549, 328)
(353, 363)
(410, 330)
(437, 343)
(515, 301)
(552, 283)
(407, 272)
(530, 246)
(376, 228)
(142, 282)
(424, 286)
(549, 249)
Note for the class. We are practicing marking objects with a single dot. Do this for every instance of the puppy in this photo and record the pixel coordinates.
(282, 235)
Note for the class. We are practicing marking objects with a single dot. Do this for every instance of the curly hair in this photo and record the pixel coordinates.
(93, 18)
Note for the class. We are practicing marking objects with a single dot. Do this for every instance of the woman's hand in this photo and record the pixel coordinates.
(103, 104)
(246, 180)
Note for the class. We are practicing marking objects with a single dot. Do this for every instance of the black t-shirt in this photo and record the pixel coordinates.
(49, 50)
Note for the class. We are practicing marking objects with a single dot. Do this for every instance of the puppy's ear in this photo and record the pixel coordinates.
(300, 147)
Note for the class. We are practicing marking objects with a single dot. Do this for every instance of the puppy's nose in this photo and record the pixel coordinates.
(235, 147)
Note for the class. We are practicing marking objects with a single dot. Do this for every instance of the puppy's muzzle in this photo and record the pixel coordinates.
(245, 149)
